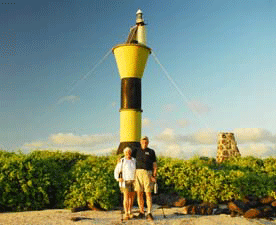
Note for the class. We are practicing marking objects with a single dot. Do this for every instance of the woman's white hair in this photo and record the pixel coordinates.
(127, 149)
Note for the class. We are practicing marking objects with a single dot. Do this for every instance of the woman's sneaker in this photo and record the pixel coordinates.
(140, 216)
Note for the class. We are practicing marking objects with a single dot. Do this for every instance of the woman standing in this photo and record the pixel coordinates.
(125, 174)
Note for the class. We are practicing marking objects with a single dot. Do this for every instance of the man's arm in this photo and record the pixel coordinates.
(154, 173)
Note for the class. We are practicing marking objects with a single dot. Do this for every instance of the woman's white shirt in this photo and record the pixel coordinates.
(128, 168)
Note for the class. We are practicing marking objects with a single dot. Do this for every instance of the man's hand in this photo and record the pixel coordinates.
(153, 179)
(121, 180)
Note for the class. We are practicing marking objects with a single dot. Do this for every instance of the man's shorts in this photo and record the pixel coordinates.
(143, 180)
(129, 186)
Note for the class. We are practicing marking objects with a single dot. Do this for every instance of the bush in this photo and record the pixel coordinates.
(203, 180)
(94, 183)
(35, 181)
(47, 179)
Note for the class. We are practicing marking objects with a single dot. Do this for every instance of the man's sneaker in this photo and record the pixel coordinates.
(140, 216)
(149, 217)
(126, 217)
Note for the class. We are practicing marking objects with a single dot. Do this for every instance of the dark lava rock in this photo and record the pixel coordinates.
(267, 200)
(180, 202)
(222, 211)
(273, 204)
(252, 213)
(233, 207)
(169, 200)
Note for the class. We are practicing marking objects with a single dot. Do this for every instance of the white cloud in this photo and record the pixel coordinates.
(86, 144)
(146, 122)
(205, 136)
(244, 135)
(209, 151)
(173, 150)
(105, 151)
(257, 150)
(198, 106)
(251, 141)
(35, 144)
(69, 98)
(182, 123)
(185, 151)
(167, 135)
(70, 139)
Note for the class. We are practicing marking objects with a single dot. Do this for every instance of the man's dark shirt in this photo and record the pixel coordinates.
(144, 158)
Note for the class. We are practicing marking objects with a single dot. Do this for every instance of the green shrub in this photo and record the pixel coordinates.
(47, 179)
(203, 180)
(35, 181)
(94, 183)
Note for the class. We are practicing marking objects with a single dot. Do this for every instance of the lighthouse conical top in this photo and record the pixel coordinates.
(131, 58)
(139, 16)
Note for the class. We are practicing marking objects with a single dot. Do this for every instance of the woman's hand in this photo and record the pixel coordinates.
(121, 180)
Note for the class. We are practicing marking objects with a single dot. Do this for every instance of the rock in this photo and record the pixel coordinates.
(252, 213)
(267, 200)
(79, 209)
(265, 210)
(245, 200)
(169, 200)
(95, 207)
(180, 202)
(193, 210)
(244, 207)
(76, 218)
(273, 203)
(186, 209)
(222, 211)
(199, 209)
(234, 208)
(161, 199)
(253, 204)
(88, 206)
(251, 198)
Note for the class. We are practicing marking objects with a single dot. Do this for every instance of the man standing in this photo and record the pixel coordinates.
(146, 171)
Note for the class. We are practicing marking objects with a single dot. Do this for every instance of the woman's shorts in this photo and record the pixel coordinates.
(129, 186)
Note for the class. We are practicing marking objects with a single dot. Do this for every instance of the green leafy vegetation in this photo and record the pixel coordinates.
(54, 179)
(94, 183)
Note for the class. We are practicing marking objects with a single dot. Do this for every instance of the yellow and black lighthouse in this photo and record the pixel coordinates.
(131, 58)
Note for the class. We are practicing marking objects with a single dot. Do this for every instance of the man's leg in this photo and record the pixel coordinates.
(149, 201)
(148, 189)
(140, 198)
(139, 188)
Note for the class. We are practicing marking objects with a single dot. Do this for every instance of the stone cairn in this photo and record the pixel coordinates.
(227, 147)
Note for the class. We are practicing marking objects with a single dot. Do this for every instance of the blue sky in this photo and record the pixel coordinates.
(60, 88)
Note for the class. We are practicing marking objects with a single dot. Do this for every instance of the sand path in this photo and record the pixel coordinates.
(63, 216)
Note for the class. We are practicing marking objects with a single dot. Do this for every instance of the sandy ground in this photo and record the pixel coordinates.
(63, 216)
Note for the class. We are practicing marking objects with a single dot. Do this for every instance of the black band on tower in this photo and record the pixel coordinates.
(123, 145)
(131, 93)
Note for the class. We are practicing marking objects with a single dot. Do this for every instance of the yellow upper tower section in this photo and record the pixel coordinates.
(132, 56)
(131, 59)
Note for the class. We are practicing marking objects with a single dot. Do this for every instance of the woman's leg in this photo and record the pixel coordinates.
(126, 202)
(131, 200)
